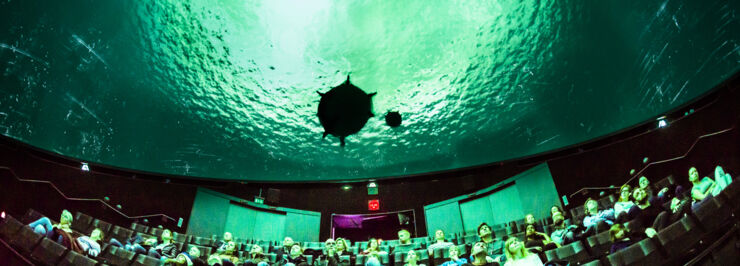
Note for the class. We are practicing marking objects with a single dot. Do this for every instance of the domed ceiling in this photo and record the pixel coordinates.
(227, 89)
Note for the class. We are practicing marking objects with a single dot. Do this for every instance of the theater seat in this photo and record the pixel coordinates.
(119, 233)
(712, 213)
(116, 256)
(593, 263)
(48, 252)
(679, 237)
(25, 239)
(360, 260)
(156, 231)
(644, 252)
(74, 258)
(33, 215)
(144, 260)
(574, 253)
(469, 239)
(202, 241)
(731, 194)
(139, 228)
(9, 227)
(81, 222)
(599, 244)
(100, 224)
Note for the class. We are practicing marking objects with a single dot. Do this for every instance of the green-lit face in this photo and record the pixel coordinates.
(403, 235)
(439, 235)
(287, 242)
(228, 90)
(644, 182)
(194, 252)
(95, 234)
(227, 236)
(453, 252)
(166, 235)
(295, 250)
(411, 256)
(693, 174)
(484, 231)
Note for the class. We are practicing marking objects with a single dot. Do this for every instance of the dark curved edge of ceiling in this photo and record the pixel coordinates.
(646, 126)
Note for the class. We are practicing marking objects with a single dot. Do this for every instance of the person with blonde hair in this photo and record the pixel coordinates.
(411, 259)
(256, 257)
(455, 259)
(517, 254)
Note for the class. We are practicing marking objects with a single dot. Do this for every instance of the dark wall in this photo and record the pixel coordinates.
(603, 162)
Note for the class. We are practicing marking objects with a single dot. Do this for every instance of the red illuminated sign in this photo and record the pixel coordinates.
(373, 205)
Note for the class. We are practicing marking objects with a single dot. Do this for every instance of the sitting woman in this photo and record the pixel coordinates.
(479, 255)
(517, 254)
(704, 187)
(91, 245)
(296, 257)
(61, 232)
(341, 247)
(256, 257)
(189, 258)
(595, 220)
(455, 259)
(226, 257)
(373, 252)
(411, 259)
(562, 234)
(538, 241)
(164, 250)
(623, 204)
(619, 237)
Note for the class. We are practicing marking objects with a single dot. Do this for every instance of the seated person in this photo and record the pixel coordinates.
(439, 236)
(227, 257)
(619, 237)
(222, 244)
(556, 208)
(329, 255)
(295, 258)
(91, 245)
(517, 254)
(58, 232)
(624, 203)
(644, 184)
(538, 241)
(188, 258)
(494, 246)
(595, 220)
(164, 250)
(257, 257)
(404, 239)
(284, 251)
(341, 247)
(455, 259)
(529, 219)
(701, 188)
(373, 252)
(479, 255)
(644, 213)
(411, 259)
(562, 234)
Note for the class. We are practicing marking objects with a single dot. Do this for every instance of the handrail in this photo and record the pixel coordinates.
(83, 199)
(691, 148)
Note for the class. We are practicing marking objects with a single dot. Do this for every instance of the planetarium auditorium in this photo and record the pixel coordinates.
(369, 132)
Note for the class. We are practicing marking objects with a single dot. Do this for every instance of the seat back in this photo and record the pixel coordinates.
(116, 256)
(48, 252)
(574, 252)
(599, 244)
(119, 233)
(144, 260)
(25, 239)
(712, 213)
(679, 237)
(74, 258)
(9, 226)
(139, 228)
(102, 225)
(81, 222)
(644, 252)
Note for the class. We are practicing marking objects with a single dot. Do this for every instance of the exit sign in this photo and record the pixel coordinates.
(373, 205)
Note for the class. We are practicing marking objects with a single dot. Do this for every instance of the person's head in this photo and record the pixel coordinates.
(296, 250)
(624, 193)
(329, 244)
(591, 206)
(529, 219)
(230, 247)
(287, 242)
(166, 235)
(97, 234)
(372, 244)
(530, 230)
(256, 249)
(411, 256)
(439, 235)
(554, 209)
(639, 195)
(558, 218)
(66, 217)
(484, 230)
(644, 182)
(514, 249)
(194, 252)
(693, 175)
(454, 253)
(227, 237)
(479, 249)
(341, 244)
(617, 232)
(404, 235)
(675, 203)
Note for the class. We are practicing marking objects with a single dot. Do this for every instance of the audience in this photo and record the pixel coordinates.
(226, 257)
(189, 258)
(595, 220)
(494, 247)
(455, 259)
(439, 237)
(517, 254)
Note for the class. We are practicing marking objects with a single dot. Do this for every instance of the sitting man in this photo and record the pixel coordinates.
(439, 235)
(284, 251)
(227, 257)
(164, 250)
(296, 257)
(256, 257)
(188, 258)
(596, 221)
(562, 234)
(494, 246)
(479, 255)
(404, 237)
(455, 259)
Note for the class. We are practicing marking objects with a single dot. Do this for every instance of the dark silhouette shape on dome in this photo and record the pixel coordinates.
(344, 110)
(393, 119)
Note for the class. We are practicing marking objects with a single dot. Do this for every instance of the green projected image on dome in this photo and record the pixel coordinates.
(226, 89)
